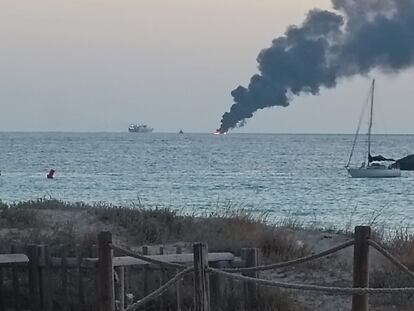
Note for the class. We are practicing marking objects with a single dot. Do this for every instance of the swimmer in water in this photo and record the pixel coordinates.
(50, 174)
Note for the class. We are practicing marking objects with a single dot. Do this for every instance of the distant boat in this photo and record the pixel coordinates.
(181, 132)
(219, 132)
(140, 128)
(375, 167)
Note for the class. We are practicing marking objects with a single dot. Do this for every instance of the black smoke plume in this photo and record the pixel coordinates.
(358, 36)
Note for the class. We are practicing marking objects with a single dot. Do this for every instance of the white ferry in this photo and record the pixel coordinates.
(140, 128)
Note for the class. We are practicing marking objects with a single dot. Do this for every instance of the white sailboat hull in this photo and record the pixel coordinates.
(374, 172)
(375, 168)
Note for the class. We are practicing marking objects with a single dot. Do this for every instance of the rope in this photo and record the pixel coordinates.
(361, 116)
(390, 257)
(292, 262)
(329, 290)
(157, 293)
(147, 259)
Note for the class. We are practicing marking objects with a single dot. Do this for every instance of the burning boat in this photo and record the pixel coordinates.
(219, 132)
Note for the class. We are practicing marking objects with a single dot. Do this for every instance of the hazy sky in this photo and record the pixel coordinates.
(99, 65)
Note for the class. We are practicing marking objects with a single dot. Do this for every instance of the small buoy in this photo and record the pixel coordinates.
(50, 174)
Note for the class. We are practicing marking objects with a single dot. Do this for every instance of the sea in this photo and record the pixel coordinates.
(293, 178)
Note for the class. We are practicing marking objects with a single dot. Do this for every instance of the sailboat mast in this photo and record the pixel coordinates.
(370, 119)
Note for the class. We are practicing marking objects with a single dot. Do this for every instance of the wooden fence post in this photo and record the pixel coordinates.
(120, 288)
(105, 272)
(145, 272)
(34, 279)
(95, 299)
(16, 285)
(179, 284)
(162, 278)
(217, 285)
(2, 302)
(64, 277)
(81, 294)
(251, 257)
(44, 279)
(201, 280)
(128, 288)
(361, 266)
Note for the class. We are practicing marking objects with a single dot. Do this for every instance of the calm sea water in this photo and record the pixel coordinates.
(301, 177)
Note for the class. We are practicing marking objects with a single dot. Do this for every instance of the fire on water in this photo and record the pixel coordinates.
(219, 132)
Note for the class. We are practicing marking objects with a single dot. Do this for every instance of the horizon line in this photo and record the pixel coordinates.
(196, 132)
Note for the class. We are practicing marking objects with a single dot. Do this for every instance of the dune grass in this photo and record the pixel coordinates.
(30, 222)
(227, 229)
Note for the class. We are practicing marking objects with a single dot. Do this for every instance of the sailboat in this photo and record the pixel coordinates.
(375, 167)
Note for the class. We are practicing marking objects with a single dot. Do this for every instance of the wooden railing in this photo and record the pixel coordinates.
(13, 263)
(36, 275)
(40, 281)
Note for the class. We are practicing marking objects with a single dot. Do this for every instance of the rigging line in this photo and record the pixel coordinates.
(370, 119)
(361, 116)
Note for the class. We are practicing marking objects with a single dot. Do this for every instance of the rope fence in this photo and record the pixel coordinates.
(292, 262)
(158, 292)
(200, 269)
(114, 278)
(317, 288)
(147, 259)
(390, 257)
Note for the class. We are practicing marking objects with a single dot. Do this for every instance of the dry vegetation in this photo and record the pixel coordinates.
(59, 224)
(63, 225)
(402, 246)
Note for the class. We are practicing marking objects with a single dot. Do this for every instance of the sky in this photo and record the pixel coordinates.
(100, 65)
